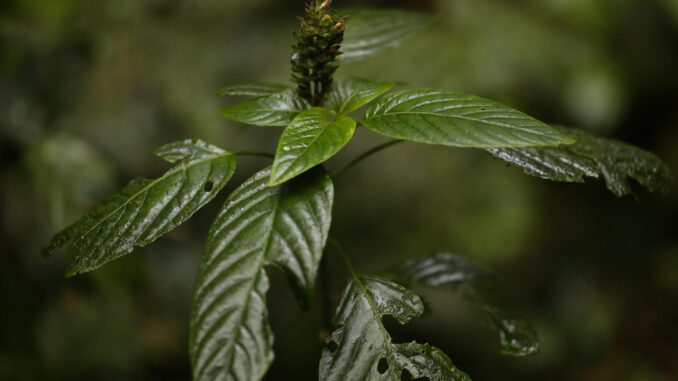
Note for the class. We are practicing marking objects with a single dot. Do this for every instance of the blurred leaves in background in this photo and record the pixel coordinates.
(89, 89)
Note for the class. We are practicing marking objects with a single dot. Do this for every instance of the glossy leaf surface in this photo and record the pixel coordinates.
(362, 342)
(256, 89)
(277, 109)
(146, 209)
(371, 31)
(230, 338)
(454, 119)
(349, 94)
(451, 272)
(312, 137)
(592, 156)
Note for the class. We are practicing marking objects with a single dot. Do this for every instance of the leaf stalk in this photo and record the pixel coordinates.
(365, 155)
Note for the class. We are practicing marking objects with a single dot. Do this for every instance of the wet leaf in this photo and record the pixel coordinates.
(350, 93)
(443, 270)
(516, 336)
(146, 209)
(312, 137)
(454, 119)
(287, 225)
(592, 156)
(454, 273)
(370, 31)
(277, 109)
(364, 350)
(256, 89)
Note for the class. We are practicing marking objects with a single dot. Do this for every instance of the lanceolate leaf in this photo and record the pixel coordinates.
(443, 270)
(591, 156)
(364, 350)
(371, 31)
(454, 119)
(257, 89)
(230, 338)
(451, 272)
(350, 93)
(277, 109)
(146, 209)
(312, 137)
(552, 163)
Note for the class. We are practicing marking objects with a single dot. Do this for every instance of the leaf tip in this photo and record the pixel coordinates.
(225, 112)
(71, 272)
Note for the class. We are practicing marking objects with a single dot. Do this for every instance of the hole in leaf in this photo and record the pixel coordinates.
(332, 346)
(208, 186)
(382, 366)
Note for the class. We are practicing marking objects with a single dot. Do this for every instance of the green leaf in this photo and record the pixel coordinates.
(146, 209)
(312, 137)
(256, 89)
(592, 156)
(230, 338)
(516, 336)
(189, 149)
(451, 272)
(443, 270)
(273, 110)
(364, 350)
(371, 31)
(349, 94)
(454, 119)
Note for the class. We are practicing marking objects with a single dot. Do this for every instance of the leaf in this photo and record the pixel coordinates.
(371, 31)
(146, 209)
(310, 139)
(256, 89)
(230, 338)
(273, 110)
(450, 272)
(443, 270)
(364, 350)
(592, 156)
(516, 335)
(192, 149)
(454, 119)
(552, 163)
(349, 94)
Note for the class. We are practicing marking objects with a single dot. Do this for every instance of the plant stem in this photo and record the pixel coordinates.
(341, 251)
(254, 153)
(326, 291)
(325, 285)
(365, 155)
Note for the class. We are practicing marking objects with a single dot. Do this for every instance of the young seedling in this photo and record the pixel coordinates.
(282, 214)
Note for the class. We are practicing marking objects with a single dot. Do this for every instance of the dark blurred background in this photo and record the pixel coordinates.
(89, 88)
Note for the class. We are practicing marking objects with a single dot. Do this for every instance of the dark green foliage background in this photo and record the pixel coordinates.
(89, 89)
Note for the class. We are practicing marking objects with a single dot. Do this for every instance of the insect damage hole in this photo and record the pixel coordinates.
(208, 186)
(382, 366)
